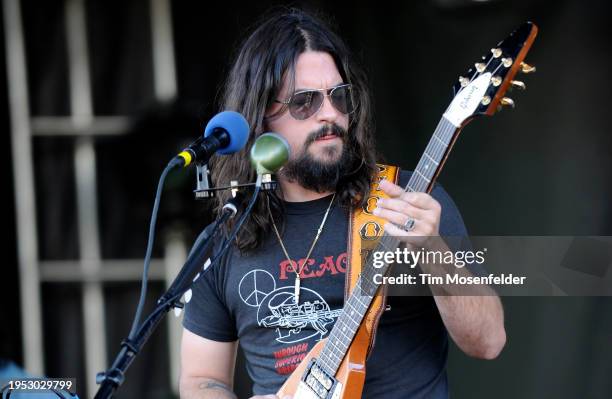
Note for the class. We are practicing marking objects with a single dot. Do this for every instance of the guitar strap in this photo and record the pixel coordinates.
(364, 232)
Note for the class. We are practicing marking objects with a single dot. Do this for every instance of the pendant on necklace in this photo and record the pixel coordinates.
(296, 290)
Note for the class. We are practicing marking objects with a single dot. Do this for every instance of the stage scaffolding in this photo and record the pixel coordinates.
(91, 271)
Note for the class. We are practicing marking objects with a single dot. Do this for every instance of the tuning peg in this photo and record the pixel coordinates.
(507, 101)
(526, 68)
(496, 52)
(518, 84)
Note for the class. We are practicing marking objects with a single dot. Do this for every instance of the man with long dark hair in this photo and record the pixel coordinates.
(281, 286)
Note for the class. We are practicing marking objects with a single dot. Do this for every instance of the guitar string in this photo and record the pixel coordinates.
(434, 148)
(436, 151)
(491, 58)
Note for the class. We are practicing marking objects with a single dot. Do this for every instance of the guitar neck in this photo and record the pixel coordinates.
(433, 158)
(356, 306)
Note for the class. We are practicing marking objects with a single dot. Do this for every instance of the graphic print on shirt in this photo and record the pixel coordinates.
(276, 306)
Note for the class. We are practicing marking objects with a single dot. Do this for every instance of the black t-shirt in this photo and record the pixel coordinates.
(250, 299)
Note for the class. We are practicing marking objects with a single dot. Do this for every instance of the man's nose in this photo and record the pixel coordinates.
(327, 113)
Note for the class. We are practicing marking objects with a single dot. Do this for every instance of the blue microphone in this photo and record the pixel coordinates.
(226, 133)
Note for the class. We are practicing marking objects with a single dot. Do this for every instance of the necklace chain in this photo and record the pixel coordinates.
(314, 242)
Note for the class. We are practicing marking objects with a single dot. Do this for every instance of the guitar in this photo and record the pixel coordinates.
(335, 366)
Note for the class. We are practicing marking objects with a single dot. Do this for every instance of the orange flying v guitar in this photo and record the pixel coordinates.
(335, 367)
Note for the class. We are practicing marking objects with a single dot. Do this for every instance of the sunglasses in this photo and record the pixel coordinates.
(304, 104)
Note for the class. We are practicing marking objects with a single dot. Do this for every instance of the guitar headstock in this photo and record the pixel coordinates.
(482, 89)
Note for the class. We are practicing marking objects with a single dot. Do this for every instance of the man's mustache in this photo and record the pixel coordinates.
(325, 130)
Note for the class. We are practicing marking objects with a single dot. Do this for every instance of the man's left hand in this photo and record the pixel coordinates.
(401, 206)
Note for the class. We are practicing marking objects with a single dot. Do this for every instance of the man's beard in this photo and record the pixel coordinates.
(320, 175)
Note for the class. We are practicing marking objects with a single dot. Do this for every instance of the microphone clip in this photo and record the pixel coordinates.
(267, 183)
(204, 190)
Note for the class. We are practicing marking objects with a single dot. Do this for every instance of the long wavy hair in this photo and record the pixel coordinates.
(265, 58)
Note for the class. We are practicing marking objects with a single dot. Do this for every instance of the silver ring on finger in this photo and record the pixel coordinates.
(409, 224)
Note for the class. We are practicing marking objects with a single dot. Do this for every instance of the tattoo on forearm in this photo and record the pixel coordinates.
(217, 385)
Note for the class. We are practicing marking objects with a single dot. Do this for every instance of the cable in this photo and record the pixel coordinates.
(243, 217)
(147, 261)
(174, 289)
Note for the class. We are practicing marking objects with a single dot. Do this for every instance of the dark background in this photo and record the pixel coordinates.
(544, 168)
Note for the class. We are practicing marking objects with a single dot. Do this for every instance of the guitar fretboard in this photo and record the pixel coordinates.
(359, 301)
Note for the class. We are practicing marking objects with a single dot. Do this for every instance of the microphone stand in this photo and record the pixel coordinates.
(111, 379)
(268, 154)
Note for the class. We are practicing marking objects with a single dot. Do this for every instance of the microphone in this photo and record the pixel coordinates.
(226, 133)
(269, 153)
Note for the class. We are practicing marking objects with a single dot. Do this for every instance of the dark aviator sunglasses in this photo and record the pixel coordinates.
(305, 103)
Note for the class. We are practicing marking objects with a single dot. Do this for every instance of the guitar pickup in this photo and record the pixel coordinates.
(319, 382)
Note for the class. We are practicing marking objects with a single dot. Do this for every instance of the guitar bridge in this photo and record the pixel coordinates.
(317, 384)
